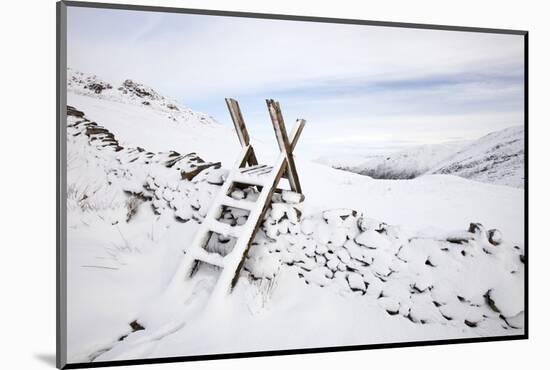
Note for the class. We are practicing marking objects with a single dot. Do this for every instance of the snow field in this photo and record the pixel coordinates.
(324, 268)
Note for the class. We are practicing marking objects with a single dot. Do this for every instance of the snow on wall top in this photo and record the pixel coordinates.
(103, 174)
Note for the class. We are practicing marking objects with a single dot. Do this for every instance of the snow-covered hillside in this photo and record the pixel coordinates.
(497, 158)
(139, 116)
(360, 261)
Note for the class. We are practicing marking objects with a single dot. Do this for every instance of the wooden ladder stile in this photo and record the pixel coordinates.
(247, 171)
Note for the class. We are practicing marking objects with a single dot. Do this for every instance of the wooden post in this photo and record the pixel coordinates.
(284, 145)
(296, 132)
(240, 127)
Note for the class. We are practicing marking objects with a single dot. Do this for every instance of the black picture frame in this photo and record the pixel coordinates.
(61, 186)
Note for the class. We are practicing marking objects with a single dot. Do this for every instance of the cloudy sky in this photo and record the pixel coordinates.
(362, 89)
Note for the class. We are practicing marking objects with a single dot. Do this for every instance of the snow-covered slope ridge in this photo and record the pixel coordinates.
(496, 158)
(139, 116)
(129, 91)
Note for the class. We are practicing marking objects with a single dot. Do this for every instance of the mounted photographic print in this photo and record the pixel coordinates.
(235, 184)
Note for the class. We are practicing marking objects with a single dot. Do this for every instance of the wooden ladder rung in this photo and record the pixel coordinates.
(235, 203)
(253, 168)
(257, 170)
(249, 179)
(262, 171)
(225, 229)
(211, 258)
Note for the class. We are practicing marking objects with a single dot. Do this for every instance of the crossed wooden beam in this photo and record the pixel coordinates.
(286, 146)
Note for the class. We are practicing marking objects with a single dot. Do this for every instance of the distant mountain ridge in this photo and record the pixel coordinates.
(496, 158)
(403, 164)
